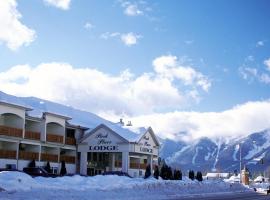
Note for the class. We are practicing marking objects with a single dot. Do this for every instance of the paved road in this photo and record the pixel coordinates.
(236, 196)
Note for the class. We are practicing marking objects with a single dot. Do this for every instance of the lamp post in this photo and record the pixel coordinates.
(240, 159)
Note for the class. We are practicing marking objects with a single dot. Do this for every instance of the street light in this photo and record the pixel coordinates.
(240, 155)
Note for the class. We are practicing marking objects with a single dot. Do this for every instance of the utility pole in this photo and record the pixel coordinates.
(240, 154)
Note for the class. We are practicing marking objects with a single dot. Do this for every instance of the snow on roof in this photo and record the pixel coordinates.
(259, 179)
(79, 117)
(217, 175)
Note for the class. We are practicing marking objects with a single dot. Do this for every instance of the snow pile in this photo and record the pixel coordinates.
(98, 185)
(12, 181)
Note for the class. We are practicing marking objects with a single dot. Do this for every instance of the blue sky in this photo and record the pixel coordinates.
(225, 45)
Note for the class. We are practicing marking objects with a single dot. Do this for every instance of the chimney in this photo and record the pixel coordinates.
(129, 123)
(122, 122)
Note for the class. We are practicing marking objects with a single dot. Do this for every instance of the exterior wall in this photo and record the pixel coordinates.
(50, 118)
(13, 110)
(136, 172)
(8, 145)
(71, 168)
(5, 162)
(23, 163)
(55, 129)
(33, 126)
(12, 121)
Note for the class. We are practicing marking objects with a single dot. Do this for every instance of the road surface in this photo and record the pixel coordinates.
(228, 196)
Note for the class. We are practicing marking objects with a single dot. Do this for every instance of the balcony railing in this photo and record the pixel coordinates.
(55, 138)
(49, 157)
(32, 135)
(137, 166)
(68, 159)
(24, 155)
(70, 141)
(9, 154)
(9, 131)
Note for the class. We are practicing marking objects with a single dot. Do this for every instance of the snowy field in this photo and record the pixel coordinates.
(16, 185)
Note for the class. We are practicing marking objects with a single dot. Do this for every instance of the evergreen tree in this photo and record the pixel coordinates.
(63, 170)
(180, 175)
(147, 171)
(48, 167)
(156, 172)
(32, 164)
(163, 172)
(169, 172)
(191, 174)
(199, 176)
(177, 175)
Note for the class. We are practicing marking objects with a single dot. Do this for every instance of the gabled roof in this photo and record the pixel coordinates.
(150, 130)
(99, 127)
(15, 105)
(57, 115)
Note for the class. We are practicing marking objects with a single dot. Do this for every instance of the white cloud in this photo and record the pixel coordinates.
(132, 10)
(260, 43)
(108, 35)
(169, 67)
(241, 120)
(62, 4)
(250, 58)
(267, 63)
(12, 31)
(130, 39)
(88, 25)
(250, 73)
(93, 90)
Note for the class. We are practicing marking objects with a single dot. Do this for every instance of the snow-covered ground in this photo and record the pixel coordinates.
(16, 185)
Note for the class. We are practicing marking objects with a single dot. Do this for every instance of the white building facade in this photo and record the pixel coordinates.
(85, 150)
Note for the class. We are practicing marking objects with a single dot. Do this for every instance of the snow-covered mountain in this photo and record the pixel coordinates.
(221, 155)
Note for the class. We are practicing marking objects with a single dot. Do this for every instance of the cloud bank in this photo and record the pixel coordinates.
(148, 99)
(96, 91)
(238, 121)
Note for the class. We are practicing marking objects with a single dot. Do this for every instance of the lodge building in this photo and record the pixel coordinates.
(87, 150)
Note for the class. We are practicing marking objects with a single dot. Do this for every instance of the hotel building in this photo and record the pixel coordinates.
(86, 149)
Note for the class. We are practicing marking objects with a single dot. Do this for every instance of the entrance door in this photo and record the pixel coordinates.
(97, 163)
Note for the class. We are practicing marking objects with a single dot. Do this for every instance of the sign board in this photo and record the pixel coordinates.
(104, 140)
(146, 145)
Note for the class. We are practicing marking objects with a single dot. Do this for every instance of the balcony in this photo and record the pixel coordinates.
(68, 159)
(32, 135)
(70, 141)
(9, 131)
(24, 155)
(49, 157)
(9, 154)
(55, 138)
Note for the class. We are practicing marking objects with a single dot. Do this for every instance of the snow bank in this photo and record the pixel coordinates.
(108, 187)
(12, 181)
